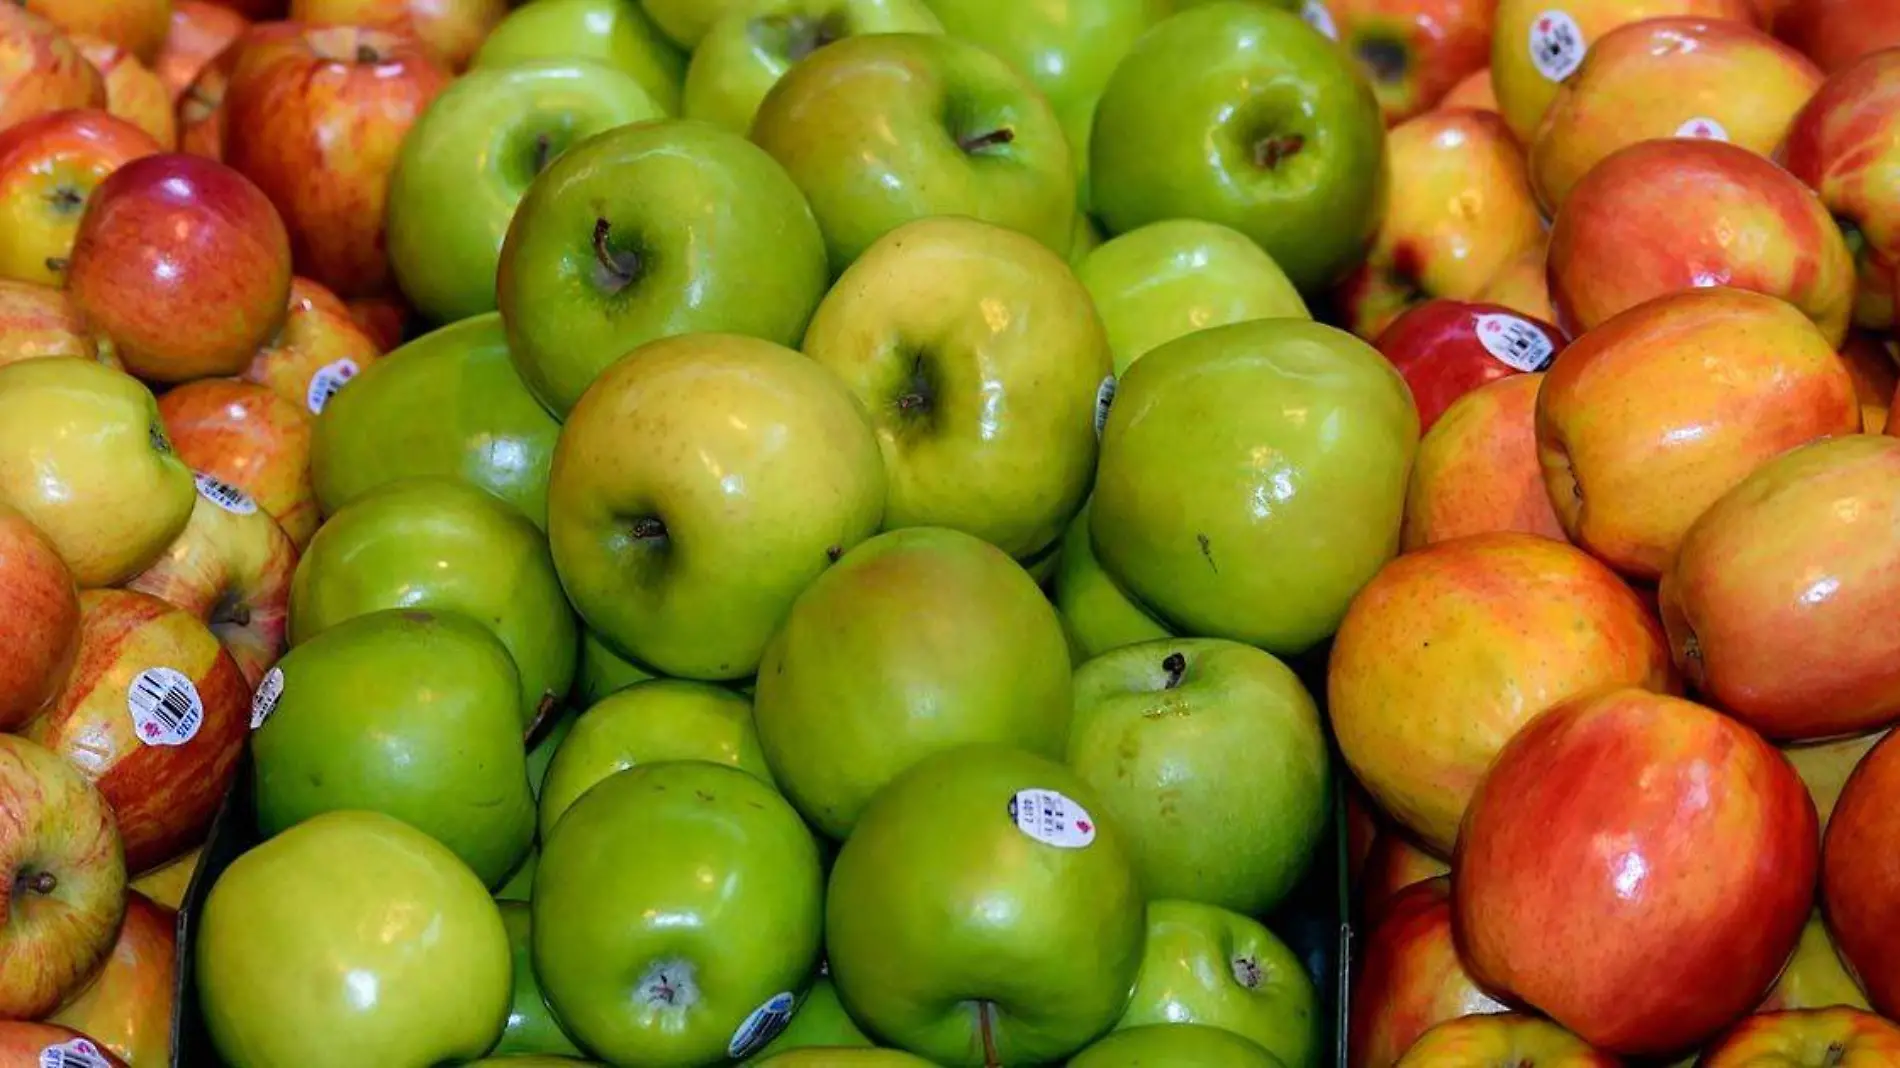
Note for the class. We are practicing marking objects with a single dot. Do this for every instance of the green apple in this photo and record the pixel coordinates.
(647, 231)
(527, 1060)
(406, 712)
(615, 32)
(1242, 114)
(448, 403)
(468, 160)
(1067, 50)
(1168, 279)
(883, 129)
(1211, 758)
(351, 939)
(603, 671)
(819, 1021)
(687, 21)
(531, 1028)
(918, 641)
(1252, 478)
(753, 44)
(1098, 614)
(436, 543)
(1205, 965)
(650, 723)
(699, 486)
(1175, 1046)
(981, 914)
(677, 913)
(981, 361)
(842, 1057)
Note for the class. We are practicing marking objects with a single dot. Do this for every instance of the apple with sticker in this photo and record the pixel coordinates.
(317, 351)
(1447, 348)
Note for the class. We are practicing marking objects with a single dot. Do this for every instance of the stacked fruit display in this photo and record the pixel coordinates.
(798, 532)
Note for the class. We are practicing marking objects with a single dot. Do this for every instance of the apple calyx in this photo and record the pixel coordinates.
(37, 882)
(796, 36)
(668, 983)
(619, 268)
(367, 55)
(648, 528)
(1383, 57)
(1175, 664)
(66, 200)
(543, 153)
(1247, 972)
(1274, 149)
(155, 434)
(975, 143)
(231, 610)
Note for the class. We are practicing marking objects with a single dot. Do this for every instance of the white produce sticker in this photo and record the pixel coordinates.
(1104, 400)
(1515, 342)
(1557, 45)
(264, 701)
(74, 1053)
(1052, 818)
(762, 1025)
(1703, 128)
(327, 381)
(224, 495)
(1316, 16)
(165, 707)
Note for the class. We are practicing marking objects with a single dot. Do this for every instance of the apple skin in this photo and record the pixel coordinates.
(64, 887)
(992, 667)
(202, 116)
(755, 456)
(1503, 1038)
(1210, 758)
(451, 30)
(84, 457)
(1815, 977)
(49, 167)
(1523, 285)
(1170, 278)
(1652, 79)
(167, 884)
(39, 631)
(641, 958)
(447, 404)
(883, 129)
(603, 671)
(752, 45)
(316, 117)
(128, 1008)
(1408, 978)
(613, 32)
(1637, 437)
(532, 1029)
(1447, 348)
(1825, 767)
(1836, 33)
(469, 159)
(1667, 215)
(1463, 211)
(433, 543)
(199, 31)
(1860, 880)
(1415, 52)
(1177, 517)
(1805, 1036)
(317, 351)
(38, 321)
(44, 69)
(1477, 470)
(138, 26)
(1202, 964)
(1097, 614)
(1498, 620)
(819, 1021)
(1613, 792)
(649, 723)
(980, 359)
(1239, 114)
(648, 231)
(938, 900)
(1474, 91)
(247, 435)
(184, 264)
(833, 1057)
(353, 902)
(1392, 866)
(1179, 1045)
(1524, 90)
(1778, 601)
(133, 91)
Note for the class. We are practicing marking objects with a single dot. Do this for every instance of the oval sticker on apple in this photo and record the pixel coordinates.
(1104, 400)
(1557, 45)
(164, 706)
(327, 381)
(1703, 128)
(1515, 343)
(74, 1053)
(762, 1025)
(223, 494)
(264, 701)
(1318, 17)
(1052, 818)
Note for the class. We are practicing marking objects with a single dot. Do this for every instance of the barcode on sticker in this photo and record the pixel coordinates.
(1318, 17)
(1557, 45)
(327, 381)
(1515, 342)
(1703, 128)
(74, 1053)
(224, 495)
(1052, 818)
(264, 701)
(165, 707)
(762, 1025)
(1104, 400)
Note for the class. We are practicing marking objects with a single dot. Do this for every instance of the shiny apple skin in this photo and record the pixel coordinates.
(450, 29)
(1437, 347)
(133, 90)
(38, 321)
(1408, 977)
(1838, 1037)
(41, 69)
(1638, 867)
(1860, 876)
(1835, 33)
(1477, 470)
(39, 620)
(49, 168)
(199, 31)
(247, 435)
(127, 1008)
(1523, 285)
(1504, 1039)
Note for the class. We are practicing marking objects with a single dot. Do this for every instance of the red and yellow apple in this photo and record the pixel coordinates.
(245, 434)
(39, 628)
(199, 31)
(319, 349)
(128, 1008)
(1414, 51)
(138, 26)
(41, 69)
(450, 29)
(1392, 865)
(1473, 91)
(38, 321)
(49, 168)
(1835, 33)
(201, 113)
(1503, 1040)
(133, 91)
(384, 318)
(1408, 978)
(1477, 470)
(1836, 1037)
(1447, 348)
(1860, 875)
(1523, 284)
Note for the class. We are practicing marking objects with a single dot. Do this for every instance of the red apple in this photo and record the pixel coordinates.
(1393, 865)
(1780, 602)
(315, 117)
(1667, 215)
(41, 69)
(317, 352)
(128, 1008)
(1504, 1040)
(156, 713)
(450, 29)
(39, 620)
(29, 1045)
(1825, 1038)
(50, 167)
(247, 435)
(1860, 876)
(1835, 33)
(133, 92)
(1643, 422)
(1447, 348)
(199, 31)
(1414, 51)
(1636, 866)
(1408, 977)
(184, 264)
(1477, 470)
(138, 26)
(1845, 144)
(62, 880)
(38, 321)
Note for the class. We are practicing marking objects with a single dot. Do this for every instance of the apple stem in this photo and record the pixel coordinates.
(987, 1030)
(1001, 136)
(542, 145)
(57, 264)
(620, 266)
(1175, 664)
(1836, 1056)
(1270, 152)
(366, 54)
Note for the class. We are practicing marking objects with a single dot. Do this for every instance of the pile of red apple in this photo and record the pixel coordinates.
(791, 532)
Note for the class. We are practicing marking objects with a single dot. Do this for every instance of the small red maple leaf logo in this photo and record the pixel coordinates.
(1084, 826)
